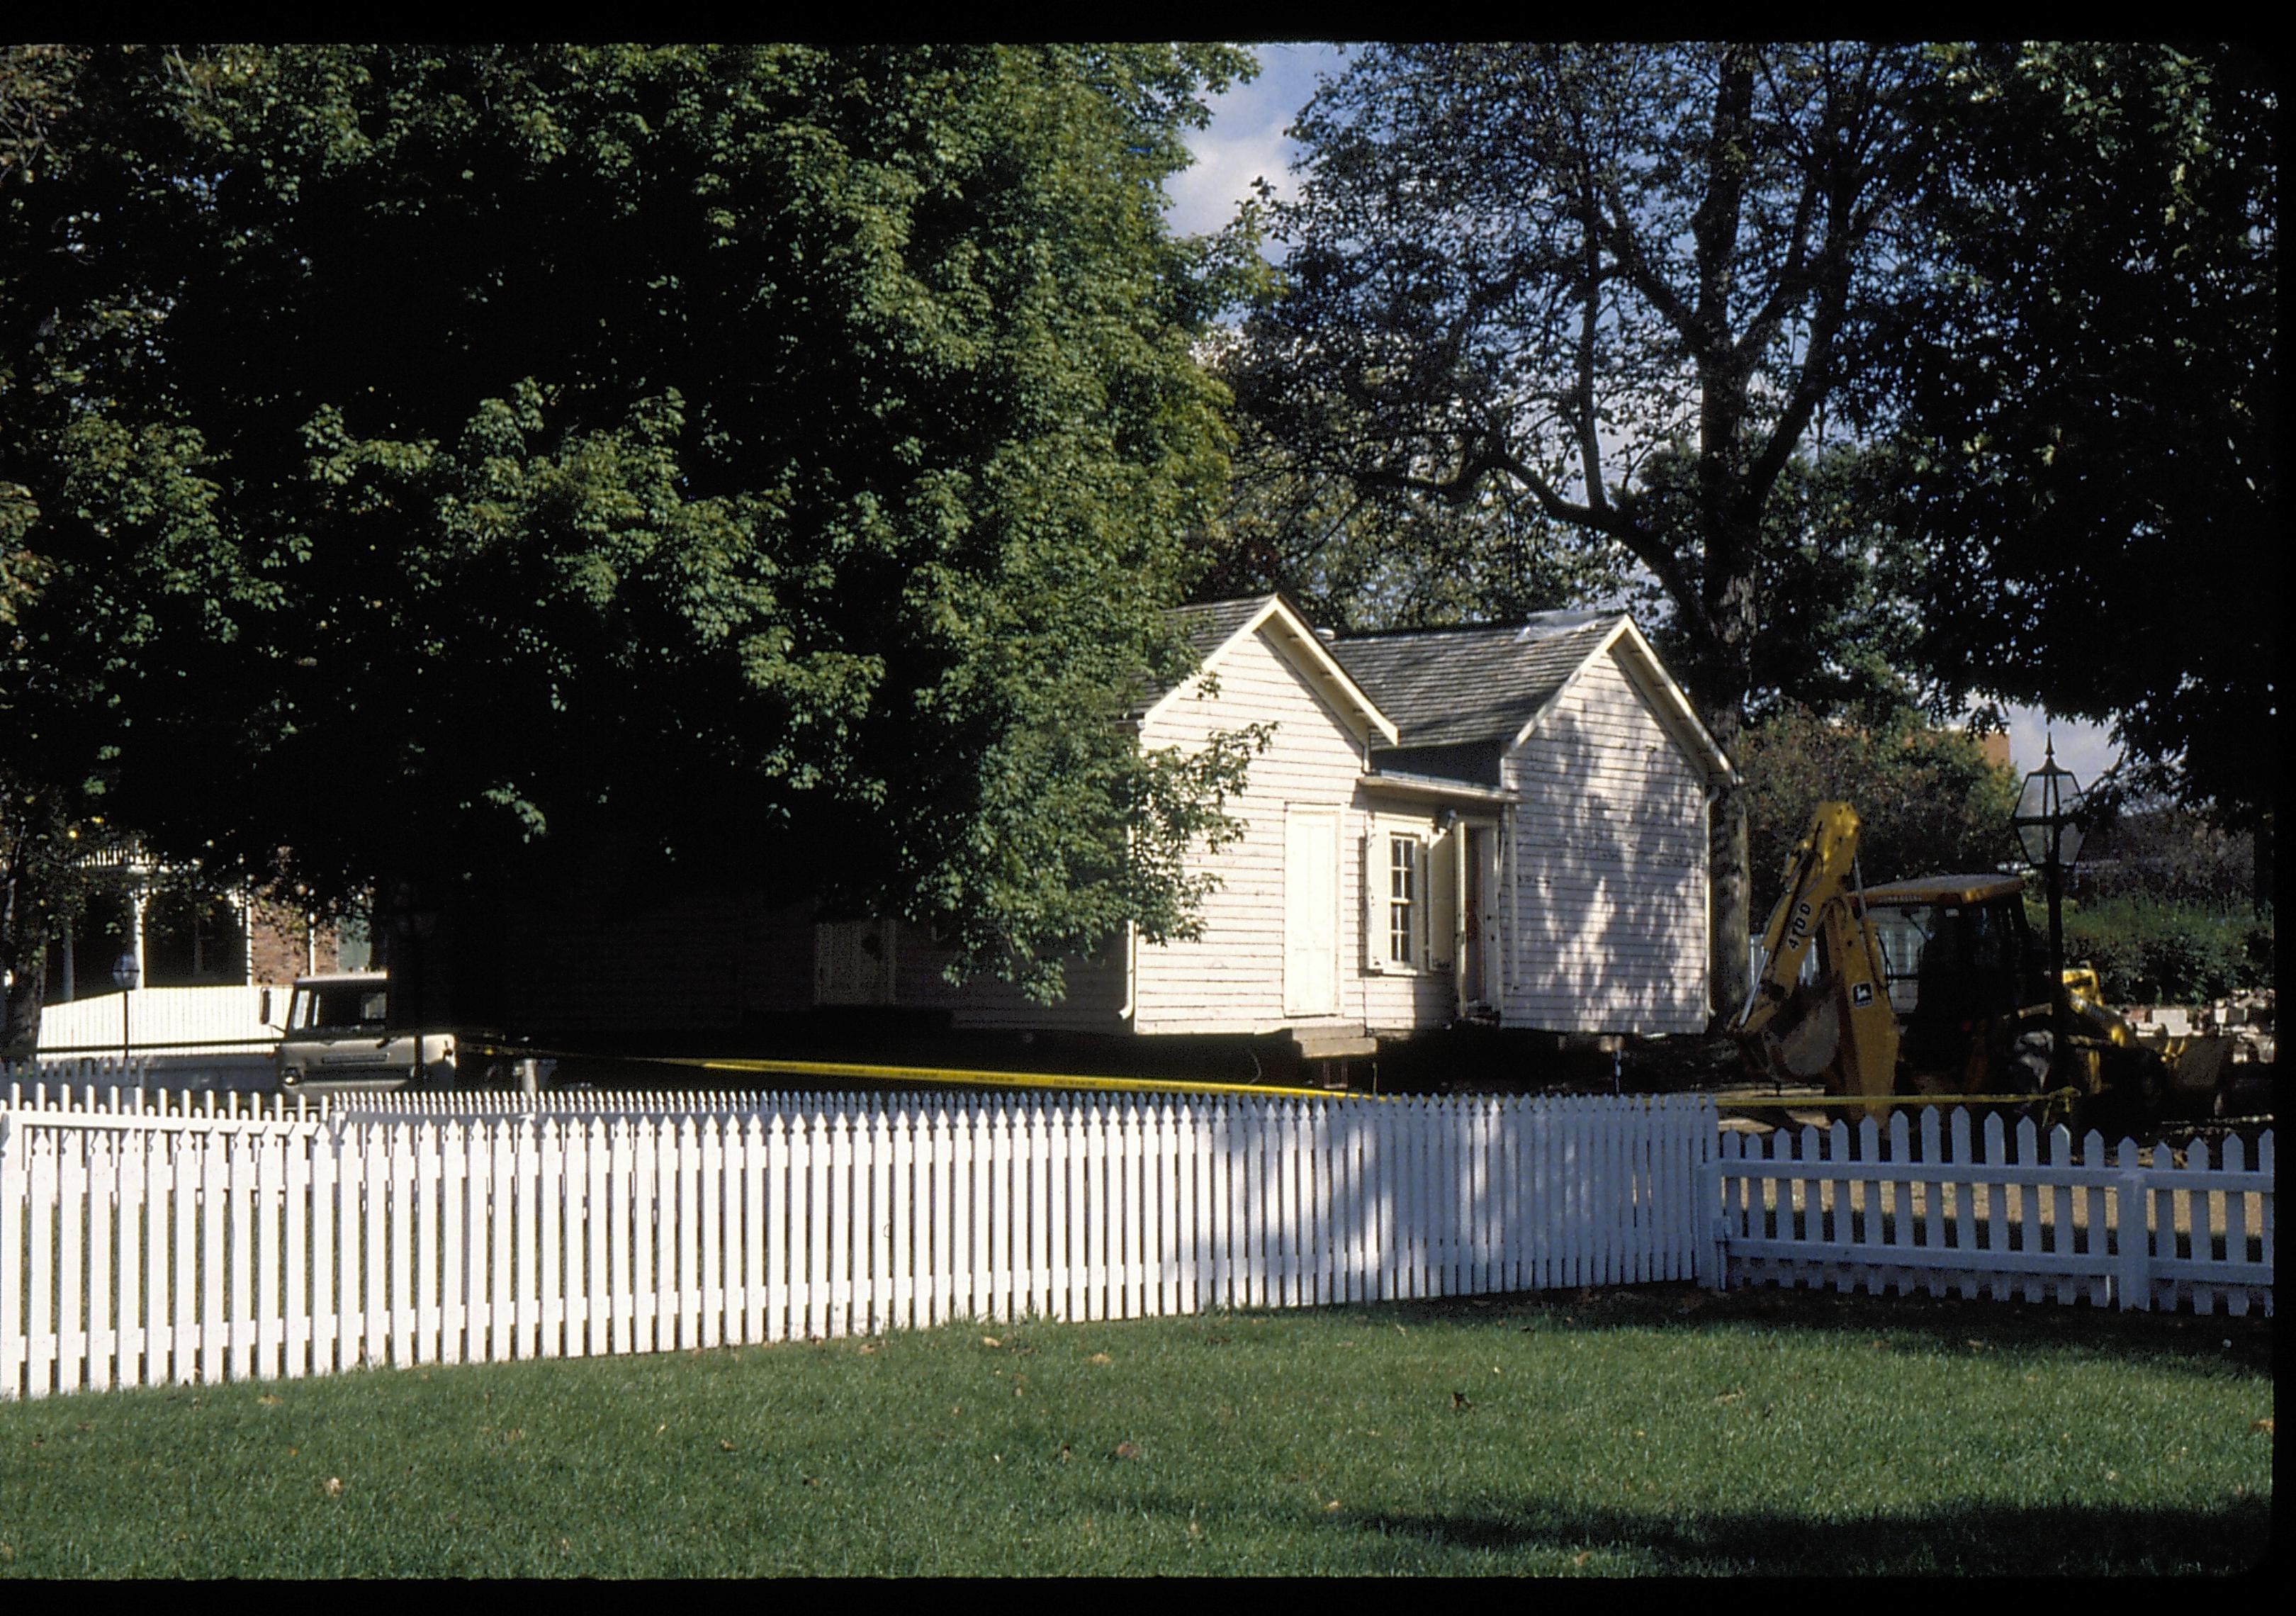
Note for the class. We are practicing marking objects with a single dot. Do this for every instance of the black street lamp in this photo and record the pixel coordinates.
(2050, 837)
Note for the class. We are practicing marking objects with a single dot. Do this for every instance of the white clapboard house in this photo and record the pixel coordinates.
(1505, 825)
(1499, 825)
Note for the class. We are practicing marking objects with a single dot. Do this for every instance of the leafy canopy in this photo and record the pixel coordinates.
(1895, 373)
(437, 461)
(2091, 400)
(1623, 287)
(1619, 283)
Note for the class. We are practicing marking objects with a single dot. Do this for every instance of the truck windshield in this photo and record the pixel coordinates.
(338, 1004)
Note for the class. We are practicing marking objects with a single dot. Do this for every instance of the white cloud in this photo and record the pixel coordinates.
(1246, 140)
(2086, 748)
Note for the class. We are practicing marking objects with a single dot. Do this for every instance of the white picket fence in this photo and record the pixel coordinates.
(142, 1245)
(148, 1238)
(559, 1102)
(1995, 1214)
(227, 1071)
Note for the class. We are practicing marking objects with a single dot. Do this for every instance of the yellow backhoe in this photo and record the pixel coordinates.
(1934, 986)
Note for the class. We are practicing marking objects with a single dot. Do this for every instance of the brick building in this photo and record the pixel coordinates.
(185, 934)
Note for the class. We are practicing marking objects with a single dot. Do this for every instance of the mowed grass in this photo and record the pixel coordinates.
(1659, 1430)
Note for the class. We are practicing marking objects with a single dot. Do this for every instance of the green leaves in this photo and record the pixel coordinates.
(1557, 320)
(1927, 800)
(786, 444)
(2094, 390)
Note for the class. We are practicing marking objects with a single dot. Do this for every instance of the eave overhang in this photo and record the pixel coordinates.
(1650, 675)
(1429, 788)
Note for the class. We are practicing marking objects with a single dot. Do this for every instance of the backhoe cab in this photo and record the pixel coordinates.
(1935, 986)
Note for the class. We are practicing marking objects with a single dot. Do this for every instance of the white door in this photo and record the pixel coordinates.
(1311, 911)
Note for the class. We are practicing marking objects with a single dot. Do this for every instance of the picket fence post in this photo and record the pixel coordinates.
(2132, 1231)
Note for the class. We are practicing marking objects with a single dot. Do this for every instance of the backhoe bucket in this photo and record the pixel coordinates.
(1801, 1042)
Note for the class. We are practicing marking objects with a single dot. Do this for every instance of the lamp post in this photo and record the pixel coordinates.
(2051, 841)
(414, 922)
(125, 974)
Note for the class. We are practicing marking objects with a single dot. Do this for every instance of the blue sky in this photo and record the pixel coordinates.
(1246, 142)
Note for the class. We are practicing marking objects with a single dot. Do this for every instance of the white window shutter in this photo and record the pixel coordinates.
(1442, 899)
(1423, 893)
(853, 961)
(1375, 904)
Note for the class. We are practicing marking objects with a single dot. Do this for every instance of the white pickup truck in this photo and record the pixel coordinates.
(337, 1037)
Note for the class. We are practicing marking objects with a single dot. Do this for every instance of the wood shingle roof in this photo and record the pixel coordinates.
(1443, 686)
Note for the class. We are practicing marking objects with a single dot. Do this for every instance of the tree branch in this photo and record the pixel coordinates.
(1619, 236)
(1590, 443)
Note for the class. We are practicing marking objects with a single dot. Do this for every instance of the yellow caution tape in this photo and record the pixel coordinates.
(952, 1075)
(974, 1078)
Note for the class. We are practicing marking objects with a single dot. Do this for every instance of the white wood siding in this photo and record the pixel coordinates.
(1094, 996)
(778, 954)
(1399, 1000)
(1231, 978)
(1609, 905)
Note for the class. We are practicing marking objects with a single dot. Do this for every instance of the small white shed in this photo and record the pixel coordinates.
(1505, 825)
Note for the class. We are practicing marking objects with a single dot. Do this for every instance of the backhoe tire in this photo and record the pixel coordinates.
(2139, 1080)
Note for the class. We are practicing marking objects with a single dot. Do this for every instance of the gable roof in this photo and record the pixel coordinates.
(1214, 627)
(1449, 686)
(1445, 685)
(1210, 625)
(1206, 627)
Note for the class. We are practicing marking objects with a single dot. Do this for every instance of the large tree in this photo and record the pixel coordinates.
(2092, 400)
(1626, 285)
(434, 463)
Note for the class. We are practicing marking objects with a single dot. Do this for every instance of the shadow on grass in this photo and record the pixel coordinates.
(1947, 1322)
(1982, 1540)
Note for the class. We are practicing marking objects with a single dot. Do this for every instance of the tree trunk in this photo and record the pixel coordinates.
(1730, 974)
(2260, 865)
(24, 955)
(1722, 684)
(41, 886)
(1729, 520)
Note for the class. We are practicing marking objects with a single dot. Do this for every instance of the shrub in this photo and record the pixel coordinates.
(2146, 951)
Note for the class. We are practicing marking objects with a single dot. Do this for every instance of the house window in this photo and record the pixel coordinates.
(853, 961)
(1402, 898)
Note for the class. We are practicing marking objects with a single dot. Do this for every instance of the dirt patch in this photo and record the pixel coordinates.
(1681, 1065)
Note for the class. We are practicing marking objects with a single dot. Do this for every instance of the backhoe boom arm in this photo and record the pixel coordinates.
(1837, 1025)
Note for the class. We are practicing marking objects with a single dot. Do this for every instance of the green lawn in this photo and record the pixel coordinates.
(1638, 1432)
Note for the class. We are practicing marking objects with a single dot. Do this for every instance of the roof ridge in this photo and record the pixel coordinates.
(1225, 600)
(1584, 620)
